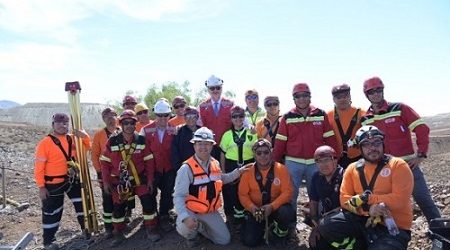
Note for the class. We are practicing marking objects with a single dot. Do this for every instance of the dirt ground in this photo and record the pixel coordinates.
(17, 144)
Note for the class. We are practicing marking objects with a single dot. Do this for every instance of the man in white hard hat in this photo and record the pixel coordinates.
(198, 186)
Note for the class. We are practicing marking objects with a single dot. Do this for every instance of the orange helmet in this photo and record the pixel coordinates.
(324, 151)
(300, 87)
(373, 83)
(127, 114)
(340, 88)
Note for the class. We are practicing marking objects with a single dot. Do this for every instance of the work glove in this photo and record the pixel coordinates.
(357, 200)
(373, 221)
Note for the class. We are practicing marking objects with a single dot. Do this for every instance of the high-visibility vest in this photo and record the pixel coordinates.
(204, 191)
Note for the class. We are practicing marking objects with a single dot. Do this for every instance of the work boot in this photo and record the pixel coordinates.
(51, 246)
(152, 234)
(165, 224)
(119, 238)
(108, 233)
(194, 242)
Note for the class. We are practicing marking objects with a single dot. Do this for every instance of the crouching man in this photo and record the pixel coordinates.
(265, 191)
(198, 186)
(128, 169)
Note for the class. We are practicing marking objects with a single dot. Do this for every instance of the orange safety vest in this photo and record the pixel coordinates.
(204, 191)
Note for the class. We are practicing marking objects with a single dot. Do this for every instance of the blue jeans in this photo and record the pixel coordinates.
(298, 172)
(422, 196)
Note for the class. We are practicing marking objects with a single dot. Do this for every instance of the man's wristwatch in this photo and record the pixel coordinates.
(421, 155)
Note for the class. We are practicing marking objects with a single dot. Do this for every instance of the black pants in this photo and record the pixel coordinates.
(232, 205)
(165, 182)
(341, 229)
(52, 208)
(252, 232)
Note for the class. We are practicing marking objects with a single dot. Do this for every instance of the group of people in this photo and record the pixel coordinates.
(360, 169)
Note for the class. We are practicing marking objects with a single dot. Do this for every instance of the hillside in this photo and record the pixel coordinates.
(6, 104)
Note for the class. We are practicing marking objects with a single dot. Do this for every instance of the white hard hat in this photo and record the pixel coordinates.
(203, 134)
(213, 81)
(367, 132)
(162, 107)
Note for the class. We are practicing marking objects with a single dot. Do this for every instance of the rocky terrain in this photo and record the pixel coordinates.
(17, 143)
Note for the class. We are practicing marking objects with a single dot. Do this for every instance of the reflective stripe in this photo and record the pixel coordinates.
(148, 157)
(48, 226)
(104, 158)
(54, 211)
(107, 214)
(408, 157)
(114, 148)
(300, 160)
(107, 220)
(76, 199)
(118, 220)
(278, 231)
(80, 214)
(302, 119)
(238, 214)
(346, 242)
(281, 137)
(381, 117)
(328, 134)
(416, 123)
(140, 146)
(131, 198)
(150, 216)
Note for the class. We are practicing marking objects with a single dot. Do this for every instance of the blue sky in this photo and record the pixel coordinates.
(112, 46)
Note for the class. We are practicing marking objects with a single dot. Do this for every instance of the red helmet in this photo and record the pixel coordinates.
(237, 110)
(340, 88)
(324, 151)
(300, 87)
(127, 114)
(60, 117)
(129, 99)
(373, 83)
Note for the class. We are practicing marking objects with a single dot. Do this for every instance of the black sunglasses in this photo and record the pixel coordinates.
(215, 88)
(162, 115)
(373, 91)
(142, 112)
(237, 116)
(177, 106)
(126, 123)
(272, 104)
(300, 95)
(262, 152)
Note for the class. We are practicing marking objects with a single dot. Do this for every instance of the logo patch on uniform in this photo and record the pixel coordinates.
(385, 172)
(390, 120)
(317, 123)
(276, 181)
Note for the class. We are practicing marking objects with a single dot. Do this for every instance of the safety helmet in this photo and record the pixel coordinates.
(127, 114)
(237, 110)
(129, 99)
(340, 88)
(324, 151)
(140, 107)
(190, 110)
(271, 98)
(178, 99)
(213, 81)
(261, 142)
(300, 87)
(60, 117)
(162, 107)
(367, 132)
(372, 83)
(203, 134)
(109, 111)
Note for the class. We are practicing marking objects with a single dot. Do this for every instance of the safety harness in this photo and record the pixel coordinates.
(73, 167)
(345, 137)
(239, 140)
(362, 177)
(266, 188)
(126, 182)
(271, 130)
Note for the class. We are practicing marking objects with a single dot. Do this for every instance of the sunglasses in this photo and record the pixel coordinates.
(341, 95)
(272, 104)
(191, 116)
(251, 97)
(373, 91)
(142, 112)
(237, 116)
(262, 152)
(177, 106)
(162, 115)
(323, 160)
(376, 143)
(126, 123)
(302, 95)
(215, 88)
